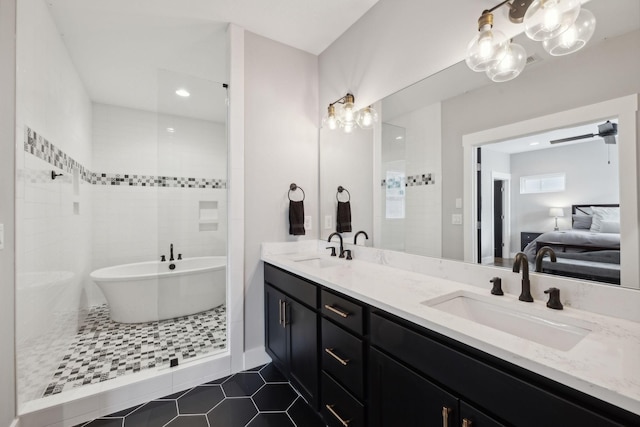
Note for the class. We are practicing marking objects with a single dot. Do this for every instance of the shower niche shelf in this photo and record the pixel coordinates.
(208, 215)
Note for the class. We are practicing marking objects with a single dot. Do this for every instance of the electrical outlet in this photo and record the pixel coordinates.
(307, 222)
(456, 219)
(328, 222)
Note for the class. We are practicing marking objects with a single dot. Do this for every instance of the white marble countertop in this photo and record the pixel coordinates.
(605, 363)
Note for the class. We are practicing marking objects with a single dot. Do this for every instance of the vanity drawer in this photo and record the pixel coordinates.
(342, 357)
(342, 311)
(304, 291)
(338, 407)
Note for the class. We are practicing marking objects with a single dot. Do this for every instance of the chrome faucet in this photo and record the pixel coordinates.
(341, 243)
(544, 250)
(521, 260)
(355, 238)
(171, 252)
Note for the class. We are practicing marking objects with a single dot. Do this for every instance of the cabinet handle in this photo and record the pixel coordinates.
(330, 352)
(284, 313)
(336, 311)
(445, 416)
(345, 423)
(466, 422)
(280, 312)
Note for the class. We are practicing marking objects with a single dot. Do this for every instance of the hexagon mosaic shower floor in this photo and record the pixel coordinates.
(259, 397)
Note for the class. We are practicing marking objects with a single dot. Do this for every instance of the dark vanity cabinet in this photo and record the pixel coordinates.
(361, 366)
(291, 330)
(459, 385)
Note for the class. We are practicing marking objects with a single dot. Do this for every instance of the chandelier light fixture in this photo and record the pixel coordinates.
(562, 26)
(347, 118)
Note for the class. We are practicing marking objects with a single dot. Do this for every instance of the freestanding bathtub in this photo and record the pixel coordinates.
(151, 291)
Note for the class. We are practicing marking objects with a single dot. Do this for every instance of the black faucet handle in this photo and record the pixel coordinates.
(179, 256)
(554, 298)
(348, 252)
(497, 286)
(333, 250)
(163, 258)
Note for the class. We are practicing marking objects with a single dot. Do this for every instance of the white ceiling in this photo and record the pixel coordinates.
(135, 53)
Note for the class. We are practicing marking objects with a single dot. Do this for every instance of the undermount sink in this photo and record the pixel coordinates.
(318, 262)
(552, 331)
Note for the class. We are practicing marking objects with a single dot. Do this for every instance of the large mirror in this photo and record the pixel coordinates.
(426, 198)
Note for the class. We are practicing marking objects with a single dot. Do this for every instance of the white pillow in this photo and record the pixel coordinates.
(601, 214)
(610, 227)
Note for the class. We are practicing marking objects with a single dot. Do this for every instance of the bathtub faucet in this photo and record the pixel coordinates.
(171, 252)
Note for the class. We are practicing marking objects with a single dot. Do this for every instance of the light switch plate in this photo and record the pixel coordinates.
(328, 222)
(458, 203)
(307, 222)
(1, 236)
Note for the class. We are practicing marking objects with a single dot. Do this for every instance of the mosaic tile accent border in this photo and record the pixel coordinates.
(412, 181)
(103, 349)
(156, 181)
(37, 145)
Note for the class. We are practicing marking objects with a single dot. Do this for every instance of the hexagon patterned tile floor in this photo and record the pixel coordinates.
(259, 397)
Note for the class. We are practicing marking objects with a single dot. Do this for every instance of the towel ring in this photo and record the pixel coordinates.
(340, 190)
(294, 187)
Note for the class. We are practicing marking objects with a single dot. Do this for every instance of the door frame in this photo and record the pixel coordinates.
(625, 108)
(506, 210)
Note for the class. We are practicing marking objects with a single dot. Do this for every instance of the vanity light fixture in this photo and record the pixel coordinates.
(562, 26)
(347, 118)
(183, 93)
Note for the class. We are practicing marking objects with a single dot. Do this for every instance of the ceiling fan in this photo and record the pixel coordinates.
(607, 131)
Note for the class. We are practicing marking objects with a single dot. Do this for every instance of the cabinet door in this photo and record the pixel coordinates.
(471, 417)
(302, 324)
(275, 331)
(400, 397)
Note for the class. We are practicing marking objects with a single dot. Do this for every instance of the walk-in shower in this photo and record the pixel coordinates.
(122, 118)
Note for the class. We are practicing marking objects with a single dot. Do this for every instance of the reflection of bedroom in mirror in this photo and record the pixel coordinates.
(569, 176)
(535, 193)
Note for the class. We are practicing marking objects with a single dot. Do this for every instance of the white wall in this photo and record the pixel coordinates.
(7, 183)
(392, 46)
(281, 147)
(422, 234)
(591, 179)
(346, 160)
(138, 223)
(53, 239)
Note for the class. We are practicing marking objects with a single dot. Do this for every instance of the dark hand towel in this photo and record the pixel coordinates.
(296, 218)
(343, 221)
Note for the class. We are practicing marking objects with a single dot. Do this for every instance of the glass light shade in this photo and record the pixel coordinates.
(486, 49)
(347, 117)
(348, 127)
(546, 19)
(575, 37)
(511, 65)
(367, 117)
(556, 212)
(330, 120)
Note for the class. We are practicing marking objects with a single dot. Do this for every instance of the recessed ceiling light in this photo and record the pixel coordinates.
(182, 92)
(398, 137)
(534, 143)
(171, 130)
